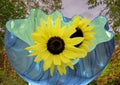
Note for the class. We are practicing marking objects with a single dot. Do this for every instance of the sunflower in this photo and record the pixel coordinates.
(83, 29)
(53, 45)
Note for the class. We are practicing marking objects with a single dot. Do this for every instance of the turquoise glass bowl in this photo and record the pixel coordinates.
(84, 71)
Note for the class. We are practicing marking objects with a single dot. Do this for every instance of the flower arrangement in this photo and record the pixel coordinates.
(54, 48)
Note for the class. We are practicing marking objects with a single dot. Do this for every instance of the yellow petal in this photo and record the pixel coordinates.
(64, 59)
(49, 24)
(63, 66)
(89, 28)
(89, 33)
(61, 69)
(70, 54)
(70, 65)
(72, 48)
(37, 37)
(52, 69)
(34, 53)
(68, 32)
(42, 23)
(62, 30)
(57, 60)
(84, 46)
(76, 20)
(88, 42)
(79, 53)
(38, 58)
(47, 63)
(90, 37)
(74, 41)
(42, 55)
(31, 47)
(82, 53)
(85, 22)
(58, 23)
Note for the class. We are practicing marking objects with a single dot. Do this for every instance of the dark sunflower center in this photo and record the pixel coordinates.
(78, 33)
(55, 45)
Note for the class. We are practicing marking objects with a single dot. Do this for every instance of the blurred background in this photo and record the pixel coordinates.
(15, 9)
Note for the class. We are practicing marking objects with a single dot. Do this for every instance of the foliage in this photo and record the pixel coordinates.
(50, 6)
(10, 10)
(47, 6)
(112, 10)
(1, 43)
(11, 79)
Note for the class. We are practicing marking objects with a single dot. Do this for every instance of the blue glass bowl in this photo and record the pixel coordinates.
(84, 71)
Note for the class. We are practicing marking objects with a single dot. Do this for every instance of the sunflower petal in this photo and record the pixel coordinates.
(76, 20)
(86, 22)
(57, 60)
(39, 36)
(65, 59)
(62, 30)
(38, 58)
(58, 22)
(87, 42)
(70, 54)
(82, 53)
(68, 32)
(75, 41)
(64, 68)
(42, 23)
(79, 53)
(89, 28)
(72, 48)
(49, 22)
(90, 37)
(47, 63)
(70, 65)
(60, 70)
(52, 69)
(84, 46)
(89, 33)
(31, 47)
(33, 53)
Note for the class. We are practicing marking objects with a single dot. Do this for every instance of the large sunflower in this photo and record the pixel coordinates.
(83, 29)
(53, 45)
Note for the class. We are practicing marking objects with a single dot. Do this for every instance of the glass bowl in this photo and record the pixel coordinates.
(84, 71)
